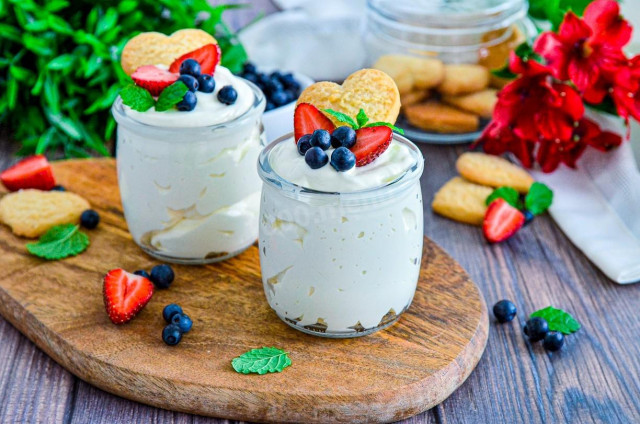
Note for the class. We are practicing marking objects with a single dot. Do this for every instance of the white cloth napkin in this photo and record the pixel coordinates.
(598, 206)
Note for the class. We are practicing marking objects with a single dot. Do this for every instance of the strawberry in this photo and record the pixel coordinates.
(208, 57)
(371, 142)
(32, 172)
(125, 294)
(307, 118)
(501, 221)
(153, 79)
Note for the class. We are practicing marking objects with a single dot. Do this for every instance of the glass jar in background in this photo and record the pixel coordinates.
(342, 264)
(191, 194)
(440, 53)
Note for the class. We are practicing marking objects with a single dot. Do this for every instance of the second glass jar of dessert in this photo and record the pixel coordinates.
(341, 263)
(188, 181)
(441, 54)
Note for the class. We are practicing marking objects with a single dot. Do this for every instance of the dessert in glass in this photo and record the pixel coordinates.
(187, 176)
(341, 238)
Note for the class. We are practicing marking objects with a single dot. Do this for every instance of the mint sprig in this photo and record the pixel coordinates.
(361, 121)
(538, 199)
(509, 194)
(558, 320)
(137, 98)
(261, 361)
(171, 96)
(60, 242)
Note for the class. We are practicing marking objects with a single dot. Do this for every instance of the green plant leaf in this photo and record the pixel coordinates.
(342, 118)
(504, 72)
(67, 125)
(385, 124)
(362, 118)
(171, 96)
(539, 198)
(38, 45)
(137, 98)
(261, 361)
(63, 61)
(107, 21)
(509, 194)
(60, 242)
(558, 320)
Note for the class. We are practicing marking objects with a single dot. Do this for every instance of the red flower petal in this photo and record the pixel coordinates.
(583, 72)
(555, 52)
(547, 156)
(571, 101)
(573, 29)
(553, 124)
(603, 16)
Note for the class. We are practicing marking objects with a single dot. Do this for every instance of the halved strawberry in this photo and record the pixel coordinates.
(153, 79)
(501, 221)
(208, 57)
(307, 118)
(32, 172)
(125, 294)
(371, 142)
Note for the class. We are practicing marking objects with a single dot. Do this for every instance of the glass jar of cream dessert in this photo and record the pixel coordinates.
(340, 250)
(188, 179)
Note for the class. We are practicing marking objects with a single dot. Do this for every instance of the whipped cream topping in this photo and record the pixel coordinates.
(208, 111)
(389, 166)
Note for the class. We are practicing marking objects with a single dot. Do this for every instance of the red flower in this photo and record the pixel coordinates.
(584, 51)
(498, 139)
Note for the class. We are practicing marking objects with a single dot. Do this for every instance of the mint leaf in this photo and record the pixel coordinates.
(538, 199)
(509, 194)
(343, 118)
(261, 361)
(362, 118)
(385, 124)
(558, 320)
(60, 242)
(137, 98)
(171, 96)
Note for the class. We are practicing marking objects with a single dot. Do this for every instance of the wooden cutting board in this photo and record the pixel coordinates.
(388, 376)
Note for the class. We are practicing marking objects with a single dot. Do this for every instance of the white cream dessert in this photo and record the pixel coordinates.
(342, 259)
(189, 187)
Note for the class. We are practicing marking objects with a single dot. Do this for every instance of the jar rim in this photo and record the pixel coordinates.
(272, 178)
(392, 15)
(258, 105)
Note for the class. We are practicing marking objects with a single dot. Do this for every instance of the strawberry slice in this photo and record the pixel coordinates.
(307, 118)
(208, 56)
(153, 79)
(32, 172)
(501, 221)
(371, 142)
(125, 294)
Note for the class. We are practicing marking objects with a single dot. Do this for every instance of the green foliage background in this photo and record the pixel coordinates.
(60, 69)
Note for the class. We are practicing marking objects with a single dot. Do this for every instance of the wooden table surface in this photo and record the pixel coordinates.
(594, 379)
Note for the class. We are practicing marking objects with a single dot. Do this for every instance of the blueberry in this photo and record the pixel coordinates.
(251, 77)
(528, 217)
(321, 139)
(536, 329)
(553, 341)
(291, 96)
(270, 106)
(304, 144)
(316, 157)
(171, 335)
(190, 67)
(188, 102)
(249, 68)
(206, 83)
(342, 159)
(290, 82)
(58, 188)
(89, 219)
(275, 75)
(190, 81)
(162, 276)
(170, 310)
(343, 136)
(504, 310)
(279, 98)
(183, 322)
(227, 95)
(263, 79)
(273, 86)
(142, 273)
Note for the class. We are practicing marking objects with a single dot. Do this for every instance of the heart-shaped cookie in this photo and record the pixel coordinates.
(154, 48)
(368, 89)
